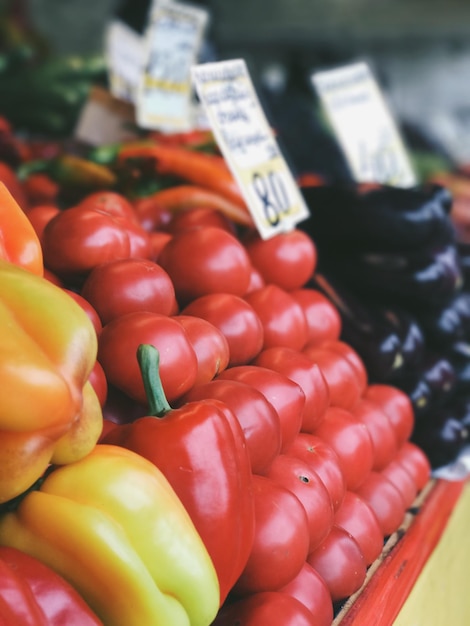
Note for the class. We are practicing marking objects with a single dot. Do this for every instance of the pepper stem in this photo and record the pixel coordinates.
(149, 362)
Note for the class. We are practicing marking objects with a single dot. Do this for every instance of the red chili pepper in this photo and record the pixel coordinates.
(215, 488)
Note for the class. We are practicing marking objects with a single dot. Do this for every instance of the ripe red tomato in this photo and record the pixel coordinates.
(152, 216)
(283, 319)
(352, 357)
(117, 349)
(385, 500)
(310, 589)
(88, 308)
(200, 261)
(39, 216)
(99, 383)
(415, 462)
(284, 394)
(128, 285)
(204, 216)
(323, 319)
(303, 371)
(340, 562)
(380, 430)
(288, 259)
(322, 459)
(256, 281)
(397, 407)
(236, 320)
(351, 441)
(158, 240)
(342, 380)
(257, 417)
(209, 344)
(265, 607)
(403, 481)
(281, 540)
(295, 475)
(360, 521)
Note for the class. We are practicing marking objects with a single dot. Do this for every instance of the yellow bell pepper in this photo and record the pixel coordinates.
(112, 526)
(49, 411)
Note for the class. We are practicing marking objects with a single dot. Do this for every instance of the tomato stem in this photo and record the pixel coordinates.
(149, 362)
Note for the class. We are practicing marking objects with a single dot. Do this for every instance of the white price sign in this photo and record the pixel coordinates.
(124, 49)
(173, 40)
(364, 126)
(247, 142)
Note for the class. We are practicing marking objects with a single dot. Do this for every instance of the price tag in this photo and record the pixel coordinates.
(173, 40)
(124, 50)
(248, 145)
(364, 125)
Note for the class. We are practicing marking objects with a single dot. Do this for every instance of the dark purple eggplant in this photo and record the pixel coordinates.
(442, 436)
(464, 254)
(449, 324)
(378, 217)
(459, 355)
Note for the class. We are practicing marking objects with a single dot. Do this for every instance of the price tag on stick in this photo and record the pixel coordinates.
(364, 125)
(248, 144)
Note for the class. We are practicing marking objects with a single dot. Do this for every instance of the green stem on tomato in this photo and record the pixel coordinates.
(149, 362)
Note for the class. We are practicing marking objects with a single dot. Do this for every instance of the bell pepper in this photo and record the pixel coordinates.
(32, 594)
(19, 243)
(113, 527)
(201, 450)
(48, 410)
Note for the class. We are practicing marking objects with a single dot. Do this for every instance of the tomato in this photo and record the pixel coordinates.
(295, 475)
(351, 441)
(283, 319)
(257, 417)
(397, 407)
(209, 344)
(53, 278)
(236, 320)
(403, 481)
(417, 464)
(200, 261)
(263, 608)
(201, 216)
(322, 459)
(287, 259)
(352, 357)
(117, 349)
(310, 589)
(88, 308)
(380, 430)
(128, 285)
(342, 380)
(151, 215)
(360, 521)
(158, 240)
(340, 562)
(119, 408)
(39, 216)
(284, 394)
(385, 500)
(323, 319)
(281, 540)
(99, 383)
(256, 281)
(299, 368)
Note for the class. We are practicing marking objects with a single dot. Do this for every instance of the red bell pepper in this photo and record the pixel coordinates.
(201, 450)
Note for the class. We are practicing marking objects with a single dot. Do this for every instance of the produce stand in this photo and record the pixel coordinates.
(421, 576)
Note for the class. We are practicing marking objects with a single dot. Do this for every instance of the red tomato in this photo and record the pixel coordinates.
(385, 500)
(40, 216)
(196, 217)
(263, 608)
(340, 562)
(360, 521)
(53, 278)
(381, 432)
(88, 308)
(257, 417)
(283, 319)
(158, 240)
(323, 319)
(287, 259)
(281, 540)
(205, 260)
(128, 285)
(256, 281)
(415, 462)
(117, 349)
(352, 357)
(342, 380)
(236, 320)
(322, 459)
(300, 369)
(403, 481)
(397, 407)
(209, 344)
(99, 383)
(152, 216)
(351, 441)
(309, 588)
(295, 475)
(284, 394)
